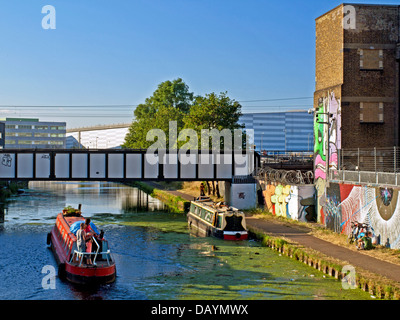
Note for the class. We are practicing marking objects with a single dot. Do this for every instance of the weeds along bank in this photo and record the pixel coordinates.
(174, 204)
(7, 189)
(376, 285)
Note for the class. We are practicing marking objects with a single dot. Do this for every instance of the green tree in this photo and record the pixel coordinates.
(213, 112)
(169, 102)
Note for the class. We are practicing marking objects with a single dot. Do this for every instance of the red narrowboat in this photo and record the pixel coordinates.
(72, 264)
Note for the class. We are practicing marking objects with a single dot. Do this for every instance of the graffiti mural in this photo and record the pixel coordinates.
(291, 201)
(377, 206)
(335, 127)
(327, 142)
(319, 143)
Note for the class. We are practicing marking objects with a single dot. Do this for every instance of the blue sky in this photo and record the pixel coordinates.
(117, 52)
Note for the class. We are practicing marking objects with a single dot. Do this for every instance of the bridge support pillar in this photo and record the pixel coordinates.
(241, 194)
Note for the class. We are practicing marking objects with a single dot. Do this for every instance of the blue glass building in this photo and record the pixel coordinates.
(281, 131)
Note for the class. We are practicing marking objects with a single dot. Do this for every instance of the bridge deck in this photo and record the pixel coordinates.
(121, 165)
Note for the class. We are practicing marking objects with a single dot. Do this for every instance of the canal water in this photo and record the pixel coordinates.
(156, 257)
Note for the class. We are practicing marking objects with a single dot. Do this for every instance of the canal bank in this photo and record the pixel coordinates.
(157, 257)
(376, 271)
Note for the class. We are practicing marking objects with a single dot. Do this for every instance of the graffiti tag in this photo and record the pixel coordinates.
(6, 160)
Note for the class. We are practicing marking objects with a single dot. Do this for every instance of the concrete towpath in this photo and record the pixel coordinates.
(354, 258)
(303, 237)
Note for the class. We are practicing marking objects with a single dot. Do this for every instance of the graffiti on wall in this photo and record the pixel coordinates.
(377, 206)
(335, 127)
(327, 142)
(290, 201)
(320, 150)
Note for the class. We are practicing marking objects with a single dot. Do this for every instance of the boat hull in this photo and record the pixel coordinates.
(90, 275)
(201, 228)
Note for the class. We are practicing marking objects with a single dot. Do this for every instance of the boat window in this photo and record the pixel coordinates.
(234, 223)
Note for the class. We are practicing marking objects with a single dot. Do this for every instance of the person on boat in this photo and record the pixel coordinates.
(80, 238)
(89, 241)
(202, 190)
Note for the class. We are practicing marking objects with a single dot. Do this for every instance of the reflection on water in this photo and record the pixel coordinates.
(156, 257)
(43, 200)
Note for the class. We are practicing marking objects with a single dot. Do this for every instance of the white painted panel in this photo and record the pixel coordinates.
(42, 165)
(133, 165)
(115, 165)
(150, 166)
(7, 165)
(170, 162)
(206, 166)
(241, 165)
(224, 166)
(97, 165)
(25, 165)
(79, 165)
(61, 164)
(188, 165)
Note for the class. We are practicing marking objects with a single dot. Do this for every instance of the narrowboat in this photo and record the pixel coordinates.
(72, 264)
(207, 218)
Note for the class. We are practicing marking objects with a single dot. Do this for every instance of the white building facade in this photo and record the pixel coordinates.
(98, 137)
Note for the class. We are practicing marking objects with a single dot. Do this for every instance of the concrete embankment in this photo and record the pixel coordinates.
(374, 275)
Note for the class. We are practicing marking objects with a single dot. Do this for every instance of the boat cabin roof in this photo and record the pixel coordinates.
(220, 207)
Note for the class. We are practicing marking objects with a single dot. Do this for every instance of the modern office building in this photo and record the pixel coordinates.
(290, 131)
(23, 133)
(97, 137)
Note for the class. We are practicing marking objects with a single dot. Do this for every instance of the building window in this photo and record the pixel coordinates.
(10, 134)
(371, 112)
(41, 135)
(10, 126)
(10, 141)
(24, 142)
(41, 127)
(24, 134)
(24, 127)
(371, 59)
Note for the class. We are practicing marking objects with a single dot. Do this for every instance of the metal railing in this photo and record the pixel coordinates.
(369, 166)
(286, 156)
(292, 177)
(80, 254)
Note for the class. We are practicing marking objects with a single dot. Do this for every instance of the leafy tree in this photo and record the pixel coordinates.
(169, 102)
(213, 112)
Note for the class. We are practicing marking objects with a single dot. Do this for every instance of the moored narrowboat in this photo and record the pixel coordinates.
(95, 266)
(206, 218)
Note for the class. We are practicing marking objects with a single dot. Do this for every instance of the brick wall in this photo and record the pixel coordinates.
(338, 68)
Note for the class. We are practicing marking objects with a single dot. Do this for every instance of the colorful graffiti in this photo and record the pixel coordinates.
(293, 202)
(377, 206)
(319, 143)
(335, 127)
(327, 142)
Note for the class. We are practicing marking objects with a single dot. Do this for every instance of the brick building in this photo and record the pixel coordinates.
(357, 59)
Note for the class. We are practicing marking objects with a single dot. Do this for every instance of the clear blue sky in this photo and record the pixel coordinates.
(117, 52)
